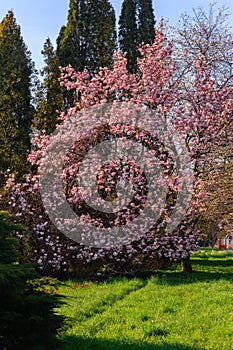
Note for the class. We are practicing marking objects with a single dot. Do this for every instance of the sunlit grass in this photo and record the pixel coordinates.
(170, 310)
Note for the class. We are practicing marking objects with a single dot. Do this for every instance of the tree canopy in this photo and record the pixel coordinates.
(89, 38)
(16, 112)
(49, 97)
(136, 26)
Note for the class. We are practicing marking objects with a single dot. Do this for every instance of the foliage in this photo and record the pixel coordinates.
(89, 38)
(16, 70)
(27, 318)
(207, 37)
(218, 184)
(128, 35)
(136, 26)
(49, 95)
(146, 22)
(209, 134)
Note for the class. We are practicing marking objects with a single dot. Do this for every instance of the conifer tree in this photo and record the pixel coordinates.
(101, 35)
(70, 42)
(27, 318)
(136, 26)
(146, 22)
(128, 33)
(16, 70)
(89, 38)
(49, 95)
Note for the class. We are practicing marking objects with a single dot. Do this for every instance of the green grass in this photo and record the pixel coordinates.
(169, 311)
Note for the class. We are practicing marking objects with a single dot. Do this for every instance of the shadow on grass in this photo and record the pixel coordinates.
(74, 343)
(212, 263)
(179, 277)
(176, 278)
(172, 277)
(204, 269)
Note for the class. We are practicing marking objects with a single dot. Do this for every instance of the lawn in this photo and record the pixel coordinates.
(168, 311)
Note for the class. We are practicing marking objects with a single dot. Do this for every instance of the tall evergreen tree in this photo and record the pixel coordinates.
(89, 38)
(146, 22)
(101, 35)
(70, 42)
(136, 26)
(128, 33)
(49, 92)
(16, 70)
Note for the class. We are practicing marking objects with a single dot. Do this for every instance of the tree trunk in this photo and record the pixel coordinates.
(186, 265)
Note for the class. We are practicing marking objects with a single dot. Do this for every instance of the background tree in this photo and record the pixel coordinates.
(128, 33)
(217, 198)
(146, 22)
(49, 95)
(89, 38)
(136, 26)
(71, 46)
(207, 121)
(101, 35)
(206, 34)
(16, 115)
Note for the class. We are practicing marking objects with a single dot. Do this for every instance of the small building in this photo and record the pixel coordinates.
(225, 242)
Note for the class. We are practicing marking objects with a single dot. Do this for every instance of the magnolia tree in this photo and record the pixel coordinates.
(207, 123)
(120, 182)
(218, 178)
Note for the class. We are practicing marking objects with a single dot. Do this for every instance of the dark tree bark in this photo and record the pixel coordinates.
(186, 264)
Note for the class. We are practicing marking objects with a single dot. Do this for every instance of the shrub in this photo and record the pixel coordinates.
(27, 318)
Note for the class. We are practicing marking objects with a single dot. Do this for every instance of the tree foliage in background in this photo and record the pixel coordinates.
(71, 39)
(27, 319)
(16, 111)
(128, 34)
(205, 34)
(218, 198)
(49, 94)
(136, 26)
(146, 22)
(88, 40)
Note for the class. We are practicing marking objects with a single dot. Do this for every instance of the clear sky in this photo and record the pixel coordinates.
(43, 18)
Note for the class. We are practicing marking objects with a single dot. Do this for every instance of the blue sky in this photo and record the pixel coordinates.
(43, 18)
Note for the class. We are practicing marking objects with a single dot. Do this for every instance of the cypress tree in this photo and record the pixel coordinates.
(16, 115)
(136, 25)
(101, 35)
(146, 22)
(89, 38)
(70, 42)
(128, 35)
(49, 92)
